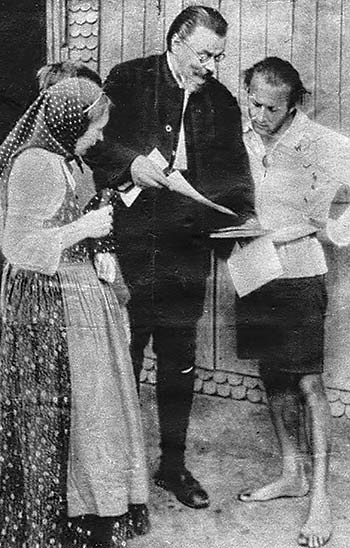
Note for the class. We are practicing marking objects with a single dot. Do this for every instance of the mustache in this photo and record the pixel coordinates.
(203, 71)
(205, 75)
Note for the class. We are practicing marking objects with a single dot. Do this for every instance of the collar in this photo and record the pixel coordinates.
(177, 76)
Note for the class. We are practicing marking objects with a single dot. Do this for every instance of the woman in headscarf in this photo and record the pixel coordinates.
(72, 460)
(103, 250)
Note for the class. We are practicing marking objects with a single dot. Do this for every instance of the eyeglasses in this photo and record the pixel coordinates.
(204, 58)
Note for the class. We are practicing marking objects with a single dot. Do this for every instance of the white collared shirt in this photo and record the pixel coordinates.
(296, 185)
(180, 161)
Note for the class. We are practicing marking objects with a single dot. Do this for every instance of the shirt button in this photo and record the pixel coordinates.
(168, 128)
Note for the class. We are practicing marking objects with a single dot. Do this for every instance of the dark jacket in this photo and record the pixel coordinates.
(162, 229)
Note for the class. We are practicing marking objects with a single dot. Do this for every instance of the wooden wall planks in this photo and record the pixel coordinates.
(327, 86)
(313, 34)
(304, 47)
(111, 35)
(279, 32)
(134, 25)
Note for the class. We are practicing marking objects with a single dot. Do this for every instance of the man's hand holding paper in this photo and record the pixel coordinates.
(146, 173)
(176, 182)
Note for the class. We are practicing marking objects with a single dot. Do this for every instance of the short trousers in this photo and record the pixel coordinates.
(282, 323)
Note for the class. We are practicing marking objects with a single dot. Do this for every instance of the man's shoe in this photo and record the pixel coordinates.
(185, 488)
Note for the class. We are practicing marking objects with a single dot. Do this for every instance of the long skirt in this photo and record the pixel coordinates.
(72, 461)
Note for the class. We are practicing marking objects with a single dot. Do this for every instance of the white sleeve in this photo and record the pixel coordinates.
(338, 230)
(333, 156)
(36, 190)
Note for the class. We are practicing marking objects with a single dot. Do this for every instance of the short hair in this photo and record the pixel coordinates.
(50, 74)
(196, 16)
(277, 72)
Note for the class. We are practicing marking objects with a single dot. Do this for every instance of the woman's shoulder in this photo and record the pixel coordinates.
(37, 171)
(38, 156)
(39, 165)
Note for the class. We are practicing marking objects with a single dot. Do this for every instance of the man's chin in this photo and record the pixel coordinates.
(196, 85)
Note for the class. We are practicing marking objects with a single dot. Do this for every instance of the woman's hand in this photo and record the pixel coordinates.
(105, 266)
(97, 223)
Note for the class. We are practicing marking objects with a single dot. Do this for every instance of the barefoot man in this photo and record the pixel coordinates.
(297, 166)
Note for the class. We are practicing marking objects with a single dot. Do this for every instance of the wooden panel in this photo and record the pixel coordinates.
(154, 27)
(229, 71)
(210, 3)
(253, 36)
(304, 48)
(279, 28)
(328, 63)
(172, 9)
(253, 31)
(205, 351)
(225, 326)
(337, 338)
(344, 70)
(111, 39)
(56, 25)
(133, 29)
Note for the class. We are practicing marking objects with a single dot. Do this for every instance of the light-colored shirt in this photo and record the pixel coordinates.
(295, 183)
(36, 190)
(180, 161)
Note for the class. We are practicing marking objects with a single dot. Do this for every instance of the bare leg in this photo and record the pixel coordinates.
(318, 527)
(284, 405)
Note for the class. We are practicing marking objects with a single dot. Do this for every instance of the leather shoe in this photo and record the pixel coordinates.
(185, 488)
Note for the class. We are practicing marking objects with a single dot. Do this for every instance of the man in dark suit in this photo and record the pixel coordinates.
(172, 102)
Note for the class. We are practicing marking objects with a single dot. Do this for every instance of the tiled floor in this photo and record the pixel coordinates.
(231, 447)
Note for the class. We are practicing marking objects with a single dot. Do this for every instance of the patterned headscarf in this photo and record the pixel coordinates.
(55, 122)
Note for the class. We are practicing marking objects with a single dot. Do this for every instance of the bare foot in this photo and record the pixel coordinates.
(317, 529)
(293, 486)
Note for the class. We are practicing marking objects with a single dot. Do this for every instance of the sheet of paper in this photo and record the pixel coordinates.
(130, 196)
(157, 158)
(178, 183)
(254, 264)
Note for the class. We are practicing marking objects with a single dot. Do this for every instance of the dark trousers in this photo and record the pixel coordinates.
(175, 351)
(167, 291)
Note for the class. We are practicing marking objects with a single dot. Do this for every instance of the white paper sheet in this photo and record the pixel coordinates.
(130, 196)
(253, 264)
(157, 158)
(178, 183)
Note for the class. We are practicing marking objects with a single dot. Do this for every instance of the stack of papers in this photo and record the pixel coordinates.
(253, 265)
(241, 231)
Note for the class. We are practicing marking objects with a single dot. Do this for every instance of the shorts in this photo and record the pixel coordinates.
(282, 323)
